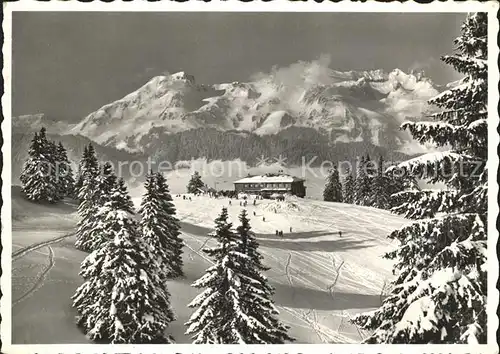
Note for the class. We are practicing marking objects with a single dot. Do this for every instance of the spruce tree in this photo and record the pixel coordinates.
(87, 209)
(333, 187)
(81, 169)
(219, 318)
(381, 197)
(349, 185)
(159, 226)
(91, 226)
(195, 183)
(263, 325)
(440, 291)
(54, 172)
(362, 187)
(90, 201)
(123, 298)
(128, 204)
(89, 165)
(66, 182)
(106, 182)
(38, 177)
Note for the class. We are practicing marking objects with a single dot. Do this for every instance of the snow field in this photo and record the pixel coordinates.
(304, 264)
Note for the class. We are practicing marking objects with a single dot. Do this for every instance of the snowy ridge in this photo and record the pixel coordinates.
(347, 106)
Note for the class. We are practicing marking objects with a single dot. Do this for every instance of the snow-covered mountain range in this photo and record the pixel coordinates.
(347, 106)
(361, 107)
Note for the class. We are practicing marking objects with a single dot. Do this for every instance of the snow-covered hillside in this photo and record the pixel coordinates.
(346, 106)
(305, 263)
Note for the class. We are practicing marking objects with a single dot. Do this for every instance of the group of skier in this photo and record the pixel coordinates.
(244, 204)
(280, 232)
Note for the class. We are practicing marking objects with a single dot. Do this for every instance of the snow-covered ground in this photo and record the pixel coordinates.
(304, 265)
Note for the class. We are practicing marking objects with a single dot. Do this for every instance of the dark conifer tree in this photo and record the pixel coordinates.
(38, 175)
(160, 228)
(106, 182)
(128, 204)
(81, 169)
(362, 187)
(219, 315)
(381, 194)
(348, 193)
(195, 183)
(333, 187)
(440, 291)
(262, 325)
(66, 182)
(90, 201)
(123, 298)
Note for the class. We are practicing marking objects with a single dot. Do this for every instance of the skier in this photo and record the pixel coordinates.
(277, 232)
(281, 233)
(263, 218)
(254, 201)
(229, 202)
(290, 229)
(254, 213)
(340, 233)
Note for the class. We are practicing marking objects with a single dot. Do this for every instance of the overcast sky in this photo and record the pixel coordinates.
(67, 65)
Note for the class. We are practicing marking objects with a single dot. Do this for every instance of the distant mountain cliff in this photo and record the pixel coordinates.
(344, 106)
(314, 111)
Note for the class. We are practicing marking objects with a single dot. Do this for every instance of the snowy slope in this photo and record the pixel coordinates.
(45, 276)
(347, 106)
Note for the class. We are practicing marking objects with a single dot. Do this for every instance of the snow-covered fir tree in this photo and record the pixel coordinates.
(440, 293)
(38, 177)
(106, 182)
(363, 182)
(381, 197)
(333, 187)
(159, 226)
(90, 200)
(195, 183)
(56, 177)
(123, 298)
(66, 181)
(90, 234)
(398, 181)
(79, 178)
(348, 187)
(263, 325)
(87, 209)
(128, 204)
(88, 165)
(220, 318)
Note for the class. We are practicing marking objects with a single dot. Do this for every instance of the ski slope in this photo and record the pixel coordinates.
(320, 278)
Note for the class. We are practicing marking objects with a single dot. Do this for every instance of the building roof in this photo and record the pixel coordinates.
(270, 179)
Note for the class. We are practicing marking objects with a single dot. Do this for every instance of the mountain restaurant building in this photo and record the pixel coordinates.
(269, 184)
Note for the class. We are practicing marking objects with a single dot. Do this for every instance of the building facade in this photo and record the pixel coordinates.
(269, 184)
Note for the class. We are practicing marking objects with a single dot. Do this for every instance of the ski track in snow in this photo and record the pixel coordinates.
(40, 279)
(23, 251)
(326, 331)
(314, 247)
